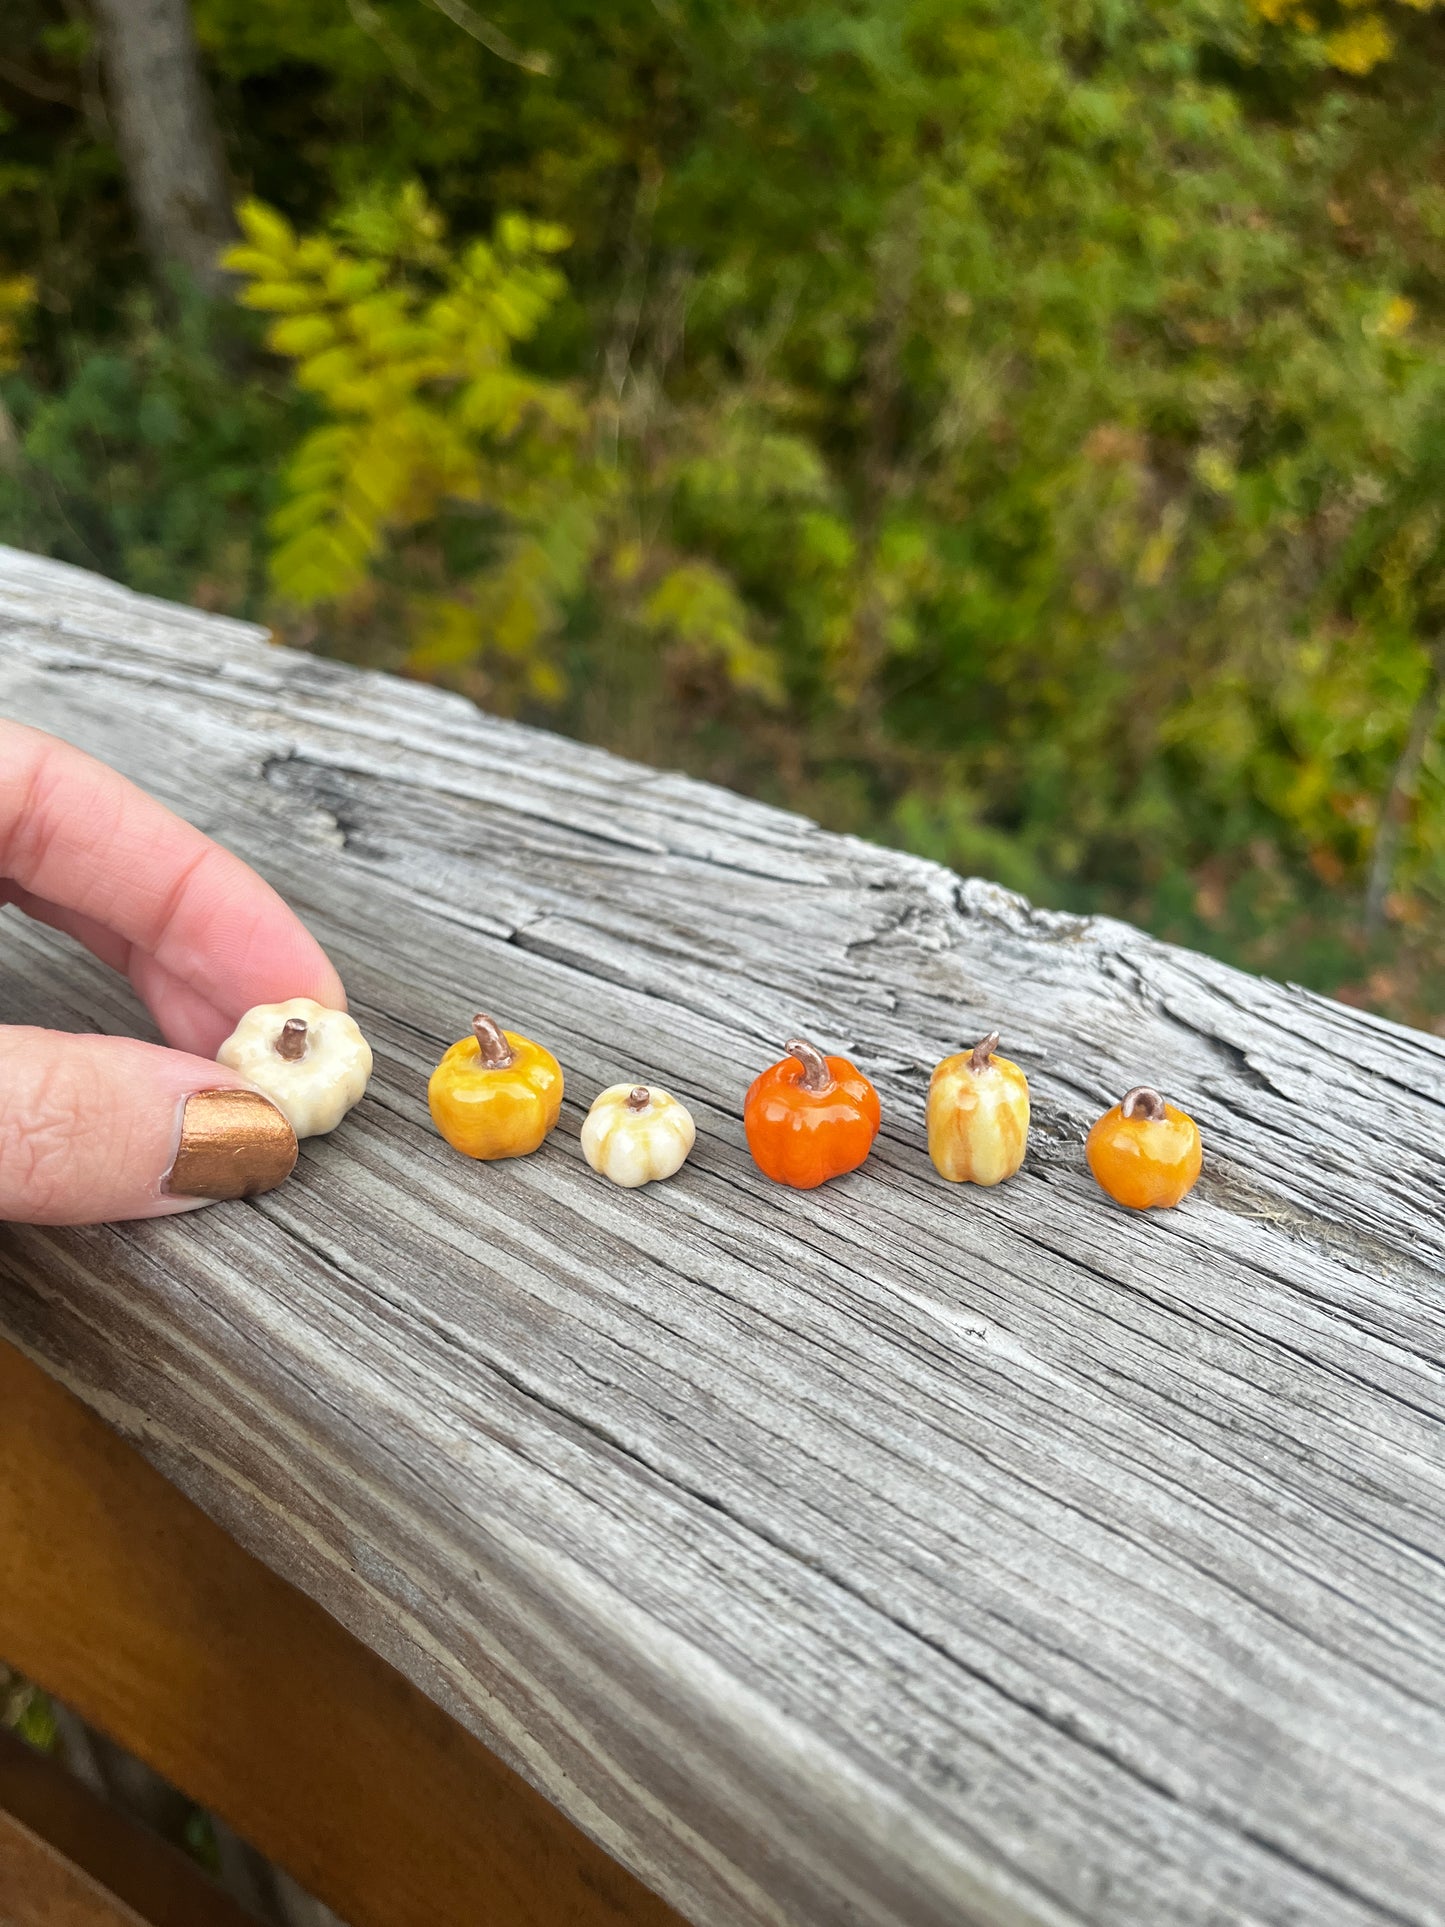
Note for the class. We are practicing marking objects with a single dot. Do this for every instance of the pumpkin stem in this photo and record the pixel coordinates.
(492, 1046)
(291, 1044)
(982, 1051)
(638, 1098)
(1143, 1102)
(816, 1075)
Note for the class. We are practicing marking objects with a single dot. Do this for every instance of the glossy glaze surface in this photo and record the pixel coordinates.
(313, 1077)
(502, 1112)
(636, 1143)
(803, 1138)
(1143, 1163)
(978, 1120)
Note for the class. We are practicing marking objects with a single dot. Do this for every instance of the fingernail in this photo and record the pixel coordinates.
(233, 1144)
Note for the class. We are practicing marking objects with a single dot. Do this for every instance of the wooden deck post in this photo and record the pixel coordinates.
(122, 1598)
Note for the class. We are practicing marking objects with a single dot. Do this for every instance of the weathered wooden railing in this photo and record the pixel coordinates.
(892, 1553)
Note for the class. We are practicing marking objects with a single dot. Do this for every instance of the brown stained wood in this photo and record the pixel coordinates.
(122, 1598)
(893, 1553)
(40, 1888)
(123, 1859)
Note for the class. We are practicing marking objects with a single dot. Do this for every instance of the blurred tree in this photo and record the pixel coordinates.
(166, 132)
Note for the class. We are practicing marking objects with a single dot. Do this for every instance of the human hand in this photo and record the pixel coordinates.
(101, 1128)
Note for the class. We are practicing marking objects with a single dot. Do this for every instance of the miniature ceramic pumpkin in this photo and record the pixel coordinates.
(313, 1063)
(1144, 1152)
(495, 1094)
(637, 1133)
(809, 1117)
(978, 1116)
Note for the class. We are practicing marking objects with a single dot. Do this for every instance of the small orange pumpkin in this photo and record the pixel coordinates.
(809, 1117)
(1144, 1152)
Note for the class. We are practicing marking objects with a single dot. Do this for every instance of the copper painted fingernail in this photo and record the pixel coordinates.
(233, 1144)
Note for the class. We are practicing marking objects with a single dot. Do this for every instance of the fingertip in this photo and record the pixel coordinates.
(102, 1129)
(233, 1143)
(247, 946)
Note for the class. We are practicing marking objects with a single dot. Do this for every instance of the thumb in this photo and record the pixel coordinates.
(100, 1128)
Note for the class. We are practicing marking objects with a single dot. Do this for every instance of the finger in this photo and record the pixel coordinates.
(77, 835)
(99, 941)
(188, 1020)
(95, 1129)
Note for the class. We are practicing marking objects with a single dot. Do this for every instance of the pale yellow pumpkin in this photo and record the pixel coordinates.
(634, 1134)
(978, 1116)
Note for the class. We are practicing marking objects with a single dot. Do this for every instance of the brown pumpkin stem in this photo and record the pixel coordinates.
(1143, 1102)
(816, 1075)
(638, 1098)
(982, 1051)
(291, 1044)
(492, 1046)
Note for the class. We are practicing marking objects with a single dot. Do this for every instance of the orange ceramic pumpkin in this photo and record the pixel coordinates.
(1144, 1152)
(810, 1118)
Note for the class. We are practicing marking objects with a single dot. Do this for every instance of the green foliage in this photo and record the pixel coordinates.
(442, 470)
(26, 1711)
(409, 352)
(152, 462)
(1010, 429)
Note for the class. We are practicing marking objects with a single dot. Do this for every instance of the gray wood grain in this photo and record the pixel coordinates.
(894, 1553)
